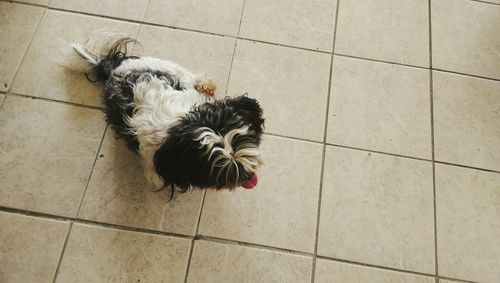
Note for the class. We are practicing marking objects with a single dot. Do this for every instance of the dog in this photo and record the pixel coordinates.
(187, 139)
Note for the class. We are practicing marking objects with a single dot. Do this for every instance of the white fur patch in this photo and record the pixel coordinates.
(248, 155)
(186, 78)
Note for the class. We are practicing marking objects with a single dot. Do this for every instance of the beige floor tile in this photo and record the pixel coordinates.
(282, 210)
(118, 193)
(466, 120)
(17, 22)
(219, 263)
(331, 271)
(47, 151)
(30, 248)
(97, 254)
(43, 73)
(389, 30)
(202, 54)
(36, 2)
(221, 17)
(468, 223)
(302, 23)
(377, 209)
(126, 9)
(466, 37)
(290, 84)
(381, 107)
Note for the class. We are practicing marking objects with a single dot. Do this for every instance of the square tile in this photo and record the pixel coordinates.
(48, 149)
(43, 73)
(118, 193)
(388, 30)
(97, 254)
(468, 223)
(330, 271)
(30, 248)
(380, 106)
(290, 84)
(18, 24)
(282, 210)
(302, 23)
(126, 9)
(202, 54)
(204, 15)
(470, 44)
(216, 262)
(466, 116)
(377, 209)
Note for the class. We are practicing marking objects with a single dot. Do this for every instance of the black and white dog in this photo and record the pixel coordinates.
(187, 139)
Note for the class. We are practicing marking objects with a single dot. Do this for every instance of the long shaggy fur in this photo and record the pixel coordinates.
(187, 138)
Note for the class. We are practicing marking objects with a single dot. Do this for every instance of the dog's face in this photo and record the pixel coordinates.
(216, 145)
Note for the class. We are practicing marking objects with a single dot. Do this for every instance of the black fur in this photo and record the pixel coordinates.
(181, 162)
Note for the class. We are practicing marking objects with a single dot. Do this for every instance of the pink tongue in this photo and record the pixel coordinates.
(251, 183)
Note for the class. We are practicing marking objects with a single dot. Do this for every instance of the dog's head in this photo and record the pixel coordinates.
(216, 145)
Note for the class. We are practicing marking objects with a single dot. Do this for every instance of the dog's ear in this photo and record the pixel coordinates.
(176, 159)
(249, 110)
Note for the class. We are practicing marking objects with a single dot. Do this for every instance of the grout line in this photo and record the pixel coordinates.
(485, 2)
(24, 3)
(4, 95)
(375, 266)
(466, 166)
(379, 152)
(137, 21)
(191, 247)
(205, 238)
(380, 61)
(290, 137)
(385, 153)
(325, 132)
(454, 279)
(56, 101)
(62, 252)
(431, 100)
(146, 11)
(230, 67)
(92, 222)
(466, 75)
(234, 48)
(389, 268)
(283, 45)
(23, 57)
(251, 245)
(92, 169)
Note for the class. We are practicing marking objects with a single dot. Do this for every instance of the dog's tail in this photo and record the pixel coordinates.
(104, 54)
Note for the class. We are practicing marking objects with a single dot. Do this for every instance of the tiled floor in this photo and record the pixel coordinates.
(382, 145)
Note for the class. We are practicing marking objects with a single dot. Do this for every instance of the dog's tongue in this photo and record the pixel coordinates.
(251, 183)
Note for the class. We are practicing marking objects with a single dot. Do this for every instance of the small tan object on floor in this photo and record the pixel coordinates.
(206, 87)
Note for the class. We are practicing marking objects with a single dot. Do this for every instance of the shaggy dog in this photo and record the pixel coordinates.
(187, 139)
